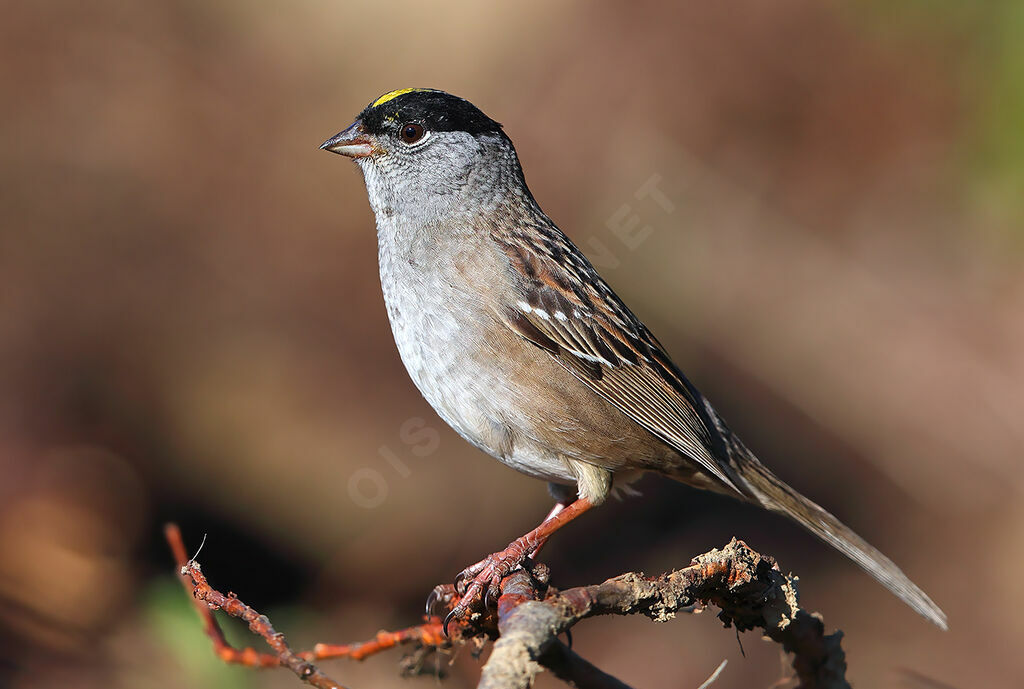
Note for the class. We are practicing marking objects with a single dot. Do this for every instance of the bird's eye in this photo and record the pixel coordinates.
(412, 132)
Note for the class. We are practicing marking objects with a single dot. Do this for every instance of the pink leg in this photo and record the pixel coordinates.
(555, 511)
(492, 569)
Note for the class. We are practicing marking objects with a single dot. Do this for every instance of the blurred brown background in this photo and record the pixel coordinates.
(192, 326)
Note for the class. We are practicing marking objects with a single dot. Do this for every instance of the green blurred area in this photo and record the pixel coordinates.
(172, 621)
(1000, 134)
(987, 66)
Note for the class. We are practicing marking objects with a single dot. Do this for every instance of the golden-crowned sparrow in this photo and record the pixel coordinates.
(522, 348)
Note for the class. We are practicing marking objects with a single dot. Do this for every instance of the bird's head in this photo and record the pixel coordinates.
(421, 149)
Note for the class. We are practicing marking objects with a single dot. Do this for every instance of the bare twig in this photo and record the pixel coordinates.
(207, 600)
(225, 651)
(575, 671)
(429, 634)
(714, 675)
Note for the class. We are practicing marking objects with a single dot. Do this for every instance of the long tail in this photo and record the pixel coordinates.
(773, 494)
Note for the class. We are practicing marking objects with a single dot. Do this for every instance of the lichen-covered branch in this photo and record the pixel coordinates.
(747, 587)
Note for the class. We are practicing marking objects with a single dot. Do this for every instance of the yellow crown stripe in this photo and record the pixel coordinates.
(394, 94)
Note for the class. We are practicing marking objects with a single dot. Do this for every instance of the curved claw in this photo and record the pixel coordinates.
(491, 594)
(431, 600)
(473, 591)
(462, 580)
(448, 618)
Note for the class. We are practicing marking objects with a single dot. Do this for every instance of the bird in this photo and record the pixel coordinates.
(521, 347)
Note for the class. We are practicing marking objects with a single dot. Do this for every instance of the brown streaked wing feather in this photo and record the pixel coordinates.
(606, 347)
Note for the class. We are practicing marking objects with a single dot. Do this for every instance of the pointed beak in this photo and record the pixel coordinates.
(354, 142)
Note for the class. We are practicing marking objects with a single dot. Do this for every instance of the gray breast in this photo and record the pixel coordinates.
(441, 325)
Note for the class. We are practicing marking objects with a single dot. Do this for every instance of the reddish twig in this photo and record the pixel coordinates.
(229, 654)
(207, 600)
(427, 634)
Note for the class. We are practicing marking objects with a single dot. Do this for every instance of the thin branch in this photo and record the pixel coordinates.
(576, 671)
(225, 651)
(714, 675)
(429, 634)
(207, 600)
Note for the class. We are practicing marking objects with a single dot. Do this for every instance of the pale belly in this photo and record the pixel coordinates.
(439, 332)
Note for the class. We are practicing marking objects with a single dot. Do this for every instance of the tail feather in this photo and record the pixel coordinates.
(772, 493)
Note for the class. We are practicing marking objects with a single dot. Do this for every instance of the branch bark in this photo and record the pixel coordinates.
(748, 588)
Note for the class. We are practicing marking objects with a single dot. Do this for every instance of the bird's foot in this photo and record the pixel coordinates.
(484, 578)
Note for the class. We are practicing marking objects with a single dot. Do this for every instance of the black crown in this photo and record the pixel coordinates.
(435, 110)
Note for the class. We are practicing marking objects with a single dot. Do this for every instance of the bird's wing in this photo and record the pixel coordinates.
(566, 309)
